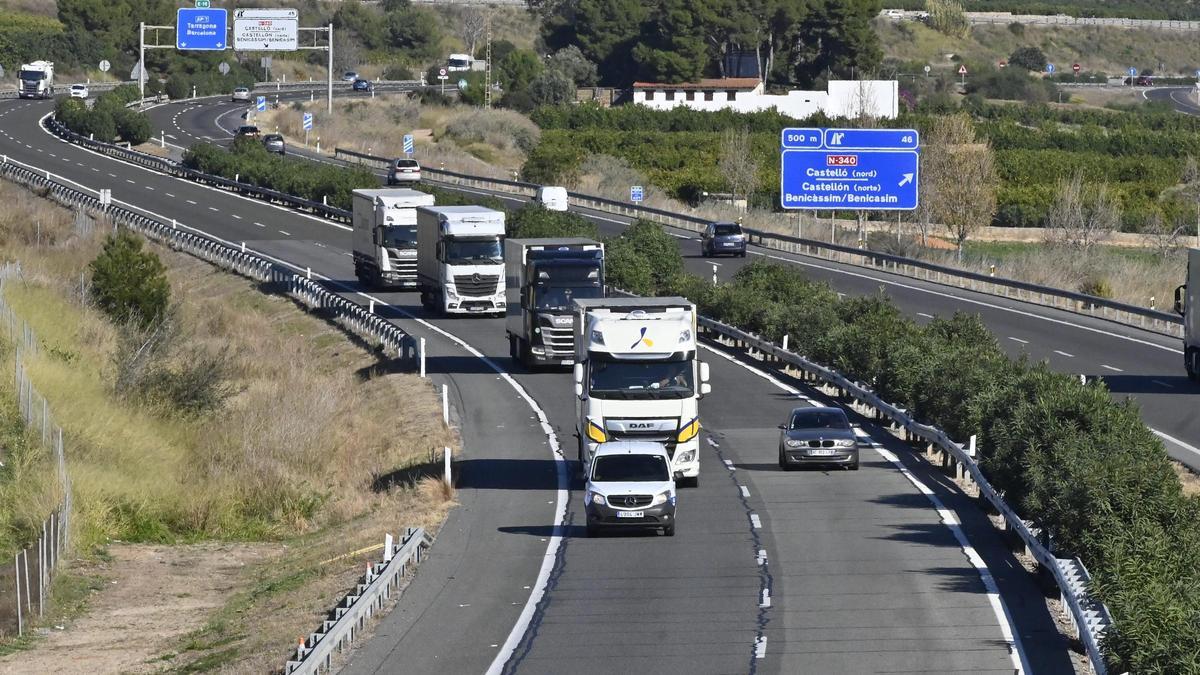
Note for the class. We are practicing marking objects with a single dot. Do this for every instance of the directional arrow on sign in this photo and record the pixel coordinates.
(908, 178)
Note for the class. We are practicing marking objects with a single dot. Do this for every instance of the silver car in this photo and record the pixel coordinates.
(240, 94)
(274, 143)
(822, 436)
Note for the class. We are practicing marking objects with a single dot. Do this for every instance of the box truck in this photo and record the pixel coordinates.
(542, 278)
(460, 259)
(637, 377)
(385, 236)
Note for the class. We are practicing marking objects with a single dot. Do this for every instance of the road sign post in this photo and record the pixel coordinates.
(260, 104)
(848, 169)
(201, 29)
(962, 73)
(308, 125)
(1050, 69)
(442, 77)
(105, 65)
(636, 194)
(408, 144)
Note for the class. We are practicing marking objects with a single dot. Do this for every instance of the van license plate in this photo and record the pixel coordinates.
(631, 514)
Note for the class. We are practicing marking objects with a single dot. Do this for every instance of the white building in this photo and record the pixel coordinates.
(843, 98)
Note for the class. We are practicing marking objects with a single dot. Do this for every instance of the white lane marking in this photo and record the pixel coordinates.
(971, 301)
(1024, 342)
(766, 598)
(191, 202)
(286, 234)
(236, 216)
(729, 465)
(112, 175)
(927, 316)
(755, 521)
(760, 647)
(52, 155)
(1061, 353)
(318, 244)
(95, 169)
(761, 558)
(1180, 444)
(169, 195)
(1115, 370)
(259, 224)
(130, 182)
(745, 490)
(1162, 384)
(712, 441)
(213, 208)
(999, 608)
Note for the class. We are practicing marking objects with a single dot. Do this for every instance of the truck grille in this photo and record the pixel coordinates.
(405, 267)
(630, 501)
(559, 341)
(467, 284)
(656, 436)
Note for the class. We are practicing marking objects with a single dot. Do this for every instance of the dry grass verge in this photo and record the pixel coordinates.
(297, 456)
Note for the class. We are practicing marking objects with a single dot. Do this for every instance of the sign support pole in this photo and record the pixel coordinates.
(141, 62)
(329, 105)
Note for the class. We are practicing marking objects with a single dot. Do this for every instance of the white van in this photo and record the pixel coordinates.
(553, 197)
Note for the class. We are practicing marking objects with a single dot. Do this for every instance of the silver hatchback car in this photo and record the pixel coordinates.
(818, 436)
(241, 94)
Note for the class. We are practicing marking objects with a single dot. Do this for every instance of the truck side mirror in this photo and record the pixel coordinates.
(704, 372)
(705, 388)
(579, 380)
(1180, 301)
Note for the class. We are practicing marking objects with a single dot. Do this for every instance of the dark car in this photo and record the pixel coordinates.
(723, 239)
(362, 85)
(247, 131)
(404, 171)
(818, 436)
(274, 143)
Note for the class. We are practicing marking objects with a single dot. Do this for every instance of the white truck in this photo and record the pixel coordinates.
(385, 236)
(1187, 303)
(637, 377)
(36, 80)
(542, 277)
(460, 259)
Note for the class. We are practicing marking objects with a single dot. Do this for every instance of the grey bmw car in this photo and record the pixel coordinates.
(817, 436)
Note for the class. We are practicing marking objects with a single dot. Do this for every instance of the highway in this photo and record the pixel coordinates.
(770, 572)
(1137, 363)
(1183, 98)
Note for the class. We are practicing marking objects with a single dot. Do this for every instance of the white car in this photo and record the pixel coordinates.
(79, 91)
(240, 94)
(552, 197)
(404, 172)
(629, 485)
(349, 76)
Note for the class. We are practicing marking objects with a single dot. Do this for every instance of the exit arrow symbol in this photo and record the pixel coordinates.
(908, 178)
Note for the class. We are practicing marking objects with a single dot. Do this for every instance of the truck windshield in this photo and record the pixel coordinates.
(32, 75)
(466, 251)
(402, 236)
(641, 379)
(630, 469)
(560, 297)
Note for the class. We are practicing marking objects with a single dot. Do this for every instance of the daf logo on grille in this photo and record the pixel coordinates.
(641, 425)
(631, 501)
(475, 277)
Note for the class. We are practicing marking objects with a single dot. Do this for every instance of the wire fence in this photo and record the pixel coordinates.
(26, 584)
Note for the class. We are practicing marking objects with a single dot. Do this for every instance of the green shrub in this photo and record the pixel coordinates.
(129, 284)
(534, 220)
(398, 71)
(133, 126)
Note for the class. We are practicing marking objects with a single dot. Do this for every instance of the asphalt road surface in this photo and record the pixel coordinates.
(770, 572)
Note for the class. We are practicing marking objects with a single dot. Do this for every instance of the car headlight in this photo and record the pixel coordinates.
(689, 431)
(686, 456)
(595, 498)
(663, 497)
(847, 443)
(792, 443)
(597, 337)
(595, 433)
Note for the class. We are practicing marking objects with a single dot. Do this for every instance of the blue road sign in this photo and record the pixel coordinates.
(201, 29)
(636, 194)
(802, 138)
(1132, 72)
(408, 144)
(1050, 68)
(308, 123)
(260, 104)
(876, 180)
(872, 139)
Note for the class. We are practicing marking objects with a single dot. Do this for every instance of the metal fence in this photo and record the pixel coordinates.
(34, 568)
(343, 624)
(1089, 617)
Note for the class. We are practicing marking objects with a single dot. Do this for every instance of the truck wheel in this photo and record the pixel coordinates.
(1191, 357)
(693, 482)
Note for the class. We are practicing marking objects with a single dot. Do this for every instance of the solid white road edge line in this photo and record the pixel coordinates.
(999, 608)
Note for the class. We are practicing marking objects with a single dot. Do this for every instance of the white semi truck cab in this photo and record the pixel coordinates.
(385, 236)
(36, 80)
(543, 276)
(637, 377)
(1187, 303)
(460, 259)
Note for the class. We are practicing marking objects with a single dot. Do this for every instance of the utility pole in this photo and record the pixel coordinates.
(141, 62)
(487, 90)
(329, 105)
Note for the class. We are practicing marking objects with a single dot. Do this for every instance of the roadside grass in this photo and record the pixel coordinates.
(297, 455)
(455, 138)
(1096, 48)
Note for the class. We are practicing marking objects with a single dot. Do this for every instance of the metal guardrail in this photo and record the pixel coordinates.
(344, 622)
(1089, 617)
(1165, 323)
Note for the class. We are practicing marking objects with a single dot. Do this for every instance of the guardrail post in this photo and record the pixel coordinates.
(371, 308)
(308, 273)
(445, 405)
(446, 466)
(421, 355)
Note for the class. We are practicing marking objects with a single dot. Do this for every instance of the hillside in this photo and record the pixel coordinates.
(1097, 49)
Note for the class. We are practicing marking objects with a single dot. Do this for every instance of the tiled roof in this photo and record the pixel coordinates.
(711, 83)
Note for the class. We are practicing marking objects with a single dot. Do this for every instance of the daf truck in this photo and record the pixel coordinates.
(460, 259)
(385, 236)
(638, 378)
(543, 277)
(1187, 304)
(37, 80)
